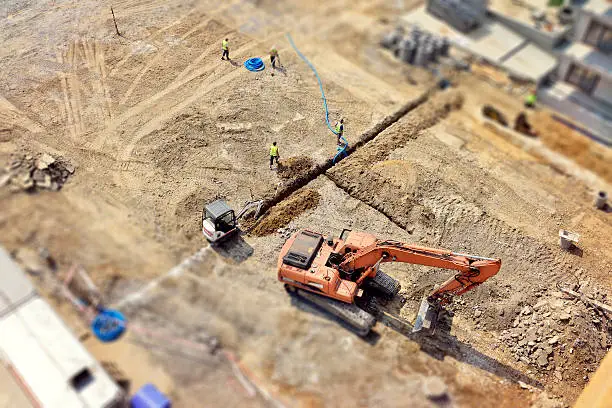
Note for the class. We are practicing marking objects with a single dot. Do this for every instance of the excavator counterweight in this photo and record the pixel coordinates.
(331, 271)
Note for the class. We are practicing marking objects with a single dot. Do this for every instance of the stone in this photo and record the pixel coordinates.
(434, 388)
(540, 304)
(526, 310)
(70, 168)
(558, 375)
(564, 317)
(38, 175)
(44, 161)
(554, 340)
(478, 313)
(542, 360)
(523, 385)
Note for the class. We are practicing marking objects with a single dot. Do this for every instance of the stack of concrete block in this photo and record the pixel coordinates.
(416, 47)
(464, 15)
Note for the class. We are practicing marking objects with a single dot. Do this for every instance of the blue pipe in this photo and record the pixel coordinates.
(320, 84)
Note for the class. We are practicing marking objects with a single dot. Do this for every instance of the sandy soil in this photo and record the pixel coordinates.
(156, 125)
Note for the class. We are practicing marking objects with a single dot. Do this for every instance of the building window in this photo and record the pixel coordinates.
(599, 36)
(582, 78)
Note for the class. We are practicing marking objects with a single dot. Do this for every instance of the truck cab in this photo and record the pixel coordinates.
(218, 221)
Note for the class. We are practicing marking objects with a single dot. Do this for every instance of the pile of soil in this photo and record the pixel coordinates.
(294, 167)
(574, 145)
(281, 214)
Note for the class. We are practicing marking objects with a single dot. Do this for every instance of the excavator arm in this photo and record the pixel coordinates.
(472, 270)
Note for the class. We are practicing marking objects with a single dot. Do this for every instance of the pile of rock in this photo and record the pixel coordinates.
(33, 174)
(555, 333)
(536, 332)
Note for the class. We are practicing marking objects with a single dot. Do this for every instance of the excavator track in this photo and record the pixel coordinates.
(383, 284)
(359, 320)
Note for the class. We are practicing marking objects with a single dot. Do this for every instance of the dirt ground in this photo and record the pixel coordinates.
(151, 125)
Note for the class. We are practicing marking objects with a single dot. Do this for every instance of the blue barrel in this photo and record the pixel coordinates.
(148, 396)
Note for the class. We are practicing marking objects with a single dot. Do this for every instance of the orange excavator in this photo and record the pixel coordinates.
(335, 274)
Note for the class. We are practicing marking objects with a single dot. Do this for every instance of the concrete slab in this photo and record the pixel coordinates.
(493, 42)
(532, 58)
(15, 287)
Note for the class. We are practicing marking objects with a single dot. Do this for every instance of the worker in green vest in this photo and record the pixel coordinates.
(225, 48)
(274, 57)
(340, 129)
(530, 100)
(273, 154)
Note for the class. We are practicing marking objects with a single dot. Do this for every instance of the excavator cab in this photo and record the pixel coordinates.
(218, 221)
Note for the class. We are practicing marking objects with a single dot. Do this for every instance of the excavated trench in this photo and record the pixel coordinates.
(424, 112)
(317, 170)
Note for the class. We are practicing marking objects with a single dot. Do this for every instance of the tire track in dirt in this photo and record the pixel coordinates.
(161, 54)
(177, 85)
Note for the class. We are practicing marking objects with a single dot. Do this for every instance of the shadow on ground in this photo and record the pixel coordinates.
(441, 343)
(438, 344)
(235, 249)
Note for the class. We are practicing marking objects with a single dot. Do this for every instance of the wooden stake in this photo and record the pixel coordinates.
(115, 21)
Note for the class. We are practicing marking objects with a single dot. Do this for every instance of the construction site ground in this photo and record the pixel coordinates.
(156, 125)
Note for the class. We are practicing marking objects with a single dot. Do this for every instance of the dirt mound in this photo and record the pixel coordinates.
(574, 145)
(281, 214)
(294, 167)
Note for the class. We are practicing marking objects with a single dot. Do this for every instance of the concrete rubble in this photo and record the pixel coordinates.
(31, 175)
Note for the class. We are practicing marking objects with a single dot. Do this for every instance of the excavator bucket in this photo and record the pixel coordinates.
(426, 318)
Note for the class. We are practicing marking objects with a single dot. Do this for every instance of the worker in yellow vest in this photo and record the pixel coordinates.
(274, 57)
(340, 130)
(273, 154)
(225, 47)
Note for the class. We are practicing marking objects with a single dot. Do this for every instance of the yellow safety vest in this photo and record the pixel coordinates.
(273, 150)
(339, 128)
(225, 44)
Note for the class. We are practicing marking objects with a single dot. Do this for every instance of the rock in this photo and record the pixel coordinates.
(558, 375)
(523, 385)
(501, 312)
(45, 183)
(478, 313)
(44, 161)
(526, 310)
(24, 181)
(38, 175)
(554, 340)
(434, 388)
(542, 360)
(5, 178)
(564, 317)
(69, 167)
(540, 304)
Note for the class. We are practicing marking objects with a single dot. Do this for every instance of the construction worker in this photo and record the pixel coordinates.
(225, 48)
(530, 100)
(339, 129)
(273, 154)
(274, 57)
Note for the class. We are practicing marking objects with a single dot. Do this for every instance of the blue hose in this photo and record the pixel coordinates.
(320, 86)
(108, 325)
(254, 64)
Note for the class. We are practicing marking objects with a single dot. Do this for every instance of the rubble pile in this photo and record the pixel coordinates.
(554, 333)
(34, 174)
